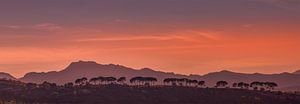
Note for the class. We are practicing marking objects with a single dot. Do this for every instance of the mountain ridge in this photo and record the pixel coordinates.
(91, 69)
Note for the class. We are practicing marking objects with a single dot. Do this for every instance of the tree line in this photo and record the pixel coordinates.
(254, 85)
(12, 90)
(150, 81)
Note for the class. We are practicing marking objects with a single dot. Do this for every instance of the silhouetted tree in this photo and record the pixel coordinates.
(256, 85)
(182, 81)
(243, 85)
(100, 80)
(81, 81)
(221, 84)
(121, 80)
(263, 85)
(240, 84)
(68, 85)
(110, 80)
(143, 80)
(270, 85)
(190, 82)
(246, 85)
(149, 80)
(170, 81)
(234, 85)
(167, 81)
(136, 80)
(201, 83)
(194, 82)
(93, 81)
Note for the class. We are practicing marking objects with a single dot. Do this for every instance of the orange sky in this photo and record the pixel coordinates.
(181, 41)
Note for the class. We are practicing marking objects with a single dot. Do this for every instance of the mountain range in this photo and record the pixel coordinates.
(91, 69)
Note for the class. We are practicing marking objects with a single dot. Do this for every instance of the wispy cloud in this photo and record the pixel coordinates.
(47, 26)
(204, 34)
(10, 26)
(186, 35)
(120, 21)
(134, 38)
(41, 26)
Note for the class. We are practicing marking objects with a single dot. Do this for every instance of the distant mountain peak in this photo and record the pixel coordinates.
(83, 62)
(91, 63)
(146, 69)
(223, 72)
(226, 71)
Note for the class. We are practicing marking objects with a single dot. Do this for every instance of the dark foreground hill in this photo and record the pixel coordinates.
(47, 93)
(175, 95)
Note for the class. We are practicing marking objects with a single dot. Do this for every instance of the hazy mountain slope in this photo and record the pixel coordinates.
(6, 76)
(297, 72)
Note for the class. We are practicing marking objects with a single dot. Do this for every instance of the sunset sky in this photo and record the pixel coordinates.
(181, 36)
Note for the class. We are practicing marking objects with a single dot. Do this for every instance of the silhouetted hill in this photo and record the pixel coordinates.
(6, 76)
(92, 69)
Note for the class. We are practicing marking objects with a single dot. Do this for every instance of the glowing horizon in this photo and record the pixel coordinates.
(186, 37)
